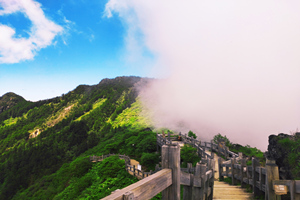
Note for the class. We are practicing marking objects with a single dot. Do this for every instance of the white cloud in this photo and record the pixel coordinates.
(134, 39)
(233, 65)
(42, 32)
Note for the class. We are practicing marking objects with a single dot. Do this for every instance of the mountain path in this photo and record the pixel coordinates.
(133, 163)
(224, 191)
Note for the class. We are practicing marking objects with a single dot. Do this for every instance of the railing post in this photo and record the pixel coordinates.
(203, 190)
(296, 187)
(243, 164)
(272, 173)
(128, 196)
(262, 178)
(220, 169)
(227, 170)
(171, 160)
(157, 141)
(169, 138)
(198, 192)
(212, 178)
(188, 190)
(232, 171)
(255, 178)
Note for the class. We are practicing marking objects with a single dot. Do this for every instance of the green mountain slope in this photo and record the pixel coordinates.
(9, 100)
(45, 145)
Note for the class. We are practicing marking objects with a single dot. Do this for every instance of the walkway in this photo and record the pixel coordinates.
(224, 191)
(134, 163)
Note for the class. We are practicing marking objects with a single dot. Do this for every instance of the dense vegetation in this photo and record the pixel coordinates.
(285, 150)
(45, 145)
(292, 159)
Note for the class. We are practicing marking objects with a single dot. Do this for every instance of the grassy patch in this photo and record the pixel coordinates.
(132, 117)
(97, 104)
(11, 121)
(227, 180)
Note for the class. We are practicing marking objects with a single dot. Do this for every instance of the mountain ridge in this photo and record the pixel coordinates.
(8, 100)
(38, 138)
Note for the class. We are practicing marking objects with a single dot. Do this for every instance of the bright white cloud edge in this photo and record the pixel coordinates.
(42, 32)
(233, 65)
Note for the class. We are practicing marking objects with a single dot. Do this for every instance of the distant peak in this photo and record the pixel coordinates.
(9, 100)
(12, 95)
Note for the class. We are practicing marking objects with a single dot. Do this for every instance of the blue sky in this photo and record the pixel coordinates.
(87, 46)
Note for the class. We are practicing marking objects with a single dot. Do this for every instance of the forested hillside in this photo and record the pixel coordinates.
(45, 145)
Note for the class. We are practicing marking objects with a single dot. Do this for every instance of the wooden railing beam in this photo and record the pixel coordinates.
(145, 188)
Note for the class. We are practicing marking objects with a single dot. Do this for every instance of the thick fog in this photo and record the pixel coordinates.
(229, 67)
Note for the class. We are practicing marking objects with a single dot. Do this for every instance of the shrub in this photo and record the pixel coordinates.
(150, 160)
(219, 136)
(191, 134)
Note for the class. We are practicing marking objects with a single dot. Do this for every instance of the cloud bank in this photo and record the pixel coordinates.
(42, 32)
(232, 66)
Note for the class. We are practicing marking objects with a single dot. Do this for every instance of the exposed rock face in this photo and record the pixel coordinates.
(35, 133)
(279, 153)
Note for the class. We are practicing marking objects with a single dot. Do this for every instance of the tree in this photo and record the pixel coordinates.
(191, 134)
(150, 160)
(226, 140)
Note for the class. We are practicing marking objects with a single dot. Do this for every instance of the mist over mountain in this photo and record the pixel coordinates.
(44, 143)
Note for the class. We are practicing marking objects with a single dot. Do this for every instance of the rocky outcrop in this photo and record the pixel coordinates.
(35, 133)
(278, 151)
